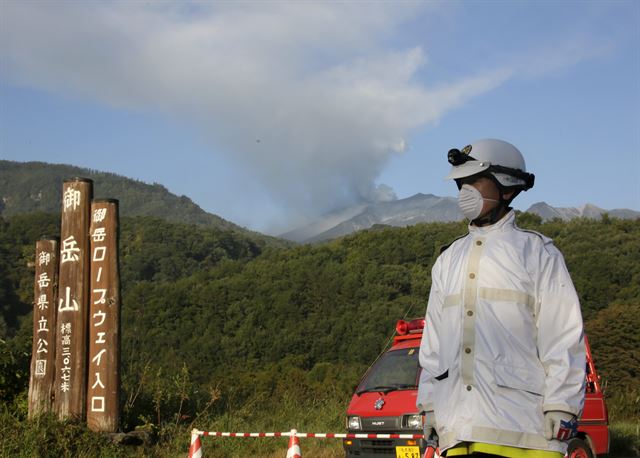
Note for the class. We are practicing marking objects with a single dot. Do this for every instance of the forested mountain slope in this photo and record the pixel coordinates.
(27, 187)
(238, 315)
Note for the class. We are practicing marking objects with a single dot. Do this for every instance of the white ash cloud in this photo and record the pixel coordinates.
(309, 96)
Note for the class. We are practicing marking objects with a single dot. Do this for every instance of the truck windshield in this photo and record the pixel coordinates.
(394, 370)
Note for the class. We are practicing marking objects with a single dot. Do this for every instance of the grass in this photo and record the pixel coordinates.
(625, 438)
(48, 437)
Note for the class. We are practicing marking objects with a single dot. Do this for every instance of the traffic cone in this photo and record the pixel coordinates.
(431, 452)
(294, 446)
(195, 451)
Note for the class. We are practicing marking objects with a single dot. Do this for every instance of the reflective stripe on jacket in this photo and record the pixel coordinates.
(503, 340)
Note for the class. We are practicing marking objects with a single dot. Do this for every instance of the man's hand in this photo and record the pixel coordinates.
(560, 425)
(429, 424)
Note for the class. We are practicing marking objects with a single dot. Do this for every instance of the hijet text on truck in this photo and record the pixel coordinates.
(384, 402)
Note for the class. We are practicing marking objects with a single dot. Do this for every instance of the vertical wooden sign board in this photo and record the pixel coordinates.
(44, 327)
(71, 341)
(103, 386)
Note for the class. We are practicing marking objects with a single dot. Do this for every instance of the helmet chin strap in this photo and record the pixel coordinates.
(495, 214)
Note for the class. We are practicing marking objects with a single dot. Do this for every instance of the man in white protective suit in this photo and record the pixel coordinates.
(502, 354)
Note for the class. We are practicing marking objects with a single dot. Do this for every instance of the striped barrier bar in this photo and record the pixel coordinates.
(196, 433)
(294, 445)
(316, 435)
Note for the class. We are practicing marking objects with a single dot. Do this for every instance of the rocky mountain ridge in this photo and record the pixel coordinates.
(425, 208)
(36, 186)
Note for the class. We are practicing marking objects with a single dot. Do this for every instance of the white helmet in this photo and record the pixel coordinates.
(500, 159)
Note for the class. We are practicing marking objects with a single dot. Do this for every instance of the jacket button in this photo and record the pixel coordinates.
(468, 387)
(472, 276)
(469, 312)
(467, 350)
(478, 242)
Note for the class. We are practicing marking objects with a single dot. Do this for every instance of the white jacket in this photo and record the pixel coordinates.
(503, 341)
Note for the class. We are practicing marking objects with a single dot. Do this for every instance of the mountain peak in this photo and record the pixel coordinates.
(423, 208)
(37, 187)
(546, 212)
(419, 208)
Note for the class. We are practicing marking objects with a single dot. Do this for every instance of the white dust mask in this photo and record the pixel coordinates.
(470, 201)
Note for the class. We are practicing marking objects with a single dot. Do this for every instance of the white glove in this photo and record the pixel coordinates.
(429, 424)
(559, 425)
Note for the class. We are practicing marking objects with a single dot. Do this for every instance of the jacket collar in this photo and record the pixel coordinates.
(507, 222)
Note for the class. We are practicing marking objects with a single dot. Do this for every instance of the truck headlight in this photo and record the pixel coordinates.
(413, 421)
(353, 422)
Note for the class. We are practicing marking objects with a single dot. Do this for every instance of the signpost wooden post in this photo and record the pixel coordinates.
(76, 321)
(103, 387)
(71, 342)
(44, 327)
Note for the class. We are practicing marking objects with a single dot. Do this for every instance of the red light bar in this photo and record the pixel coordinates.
(402, 327)
(405, 327)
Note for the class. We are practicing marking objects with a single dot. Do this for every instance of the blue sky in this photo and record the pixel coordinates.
(270, 114)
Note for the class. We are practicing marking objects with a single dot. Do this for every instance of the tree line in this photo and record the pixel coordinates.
(224, 316)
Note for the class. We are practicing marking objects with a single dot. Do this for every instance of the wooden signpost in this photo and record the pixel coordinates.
(71, 341)
(103, 401)
(75, 366)
(44, 327)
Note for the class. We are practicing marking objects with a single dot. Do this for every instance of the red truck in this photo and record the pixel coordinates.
(385, 403)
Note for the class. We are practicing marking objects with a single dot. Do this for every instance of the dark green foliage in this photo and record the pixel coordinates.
(615, 341)
(17, 251)
(36, 186)
(15, 356)
(625, 438)
(336, 302)
(27, 187)
(215, 324)
(603, 260)
(48, 437)
(152, 249)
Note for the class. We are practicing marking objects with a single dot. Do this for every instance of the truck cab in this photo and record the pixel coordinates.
(384, 402)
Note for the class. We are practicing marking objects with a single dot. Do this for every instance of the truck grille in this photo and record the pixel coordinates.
(380, 424)
(379, 447)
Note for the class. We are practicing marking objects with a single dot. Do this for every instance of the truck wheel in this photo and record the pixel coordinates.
(578, 448)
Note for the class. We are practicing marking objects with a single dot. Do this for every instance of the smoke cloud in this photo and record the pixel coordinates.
(309, 96)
